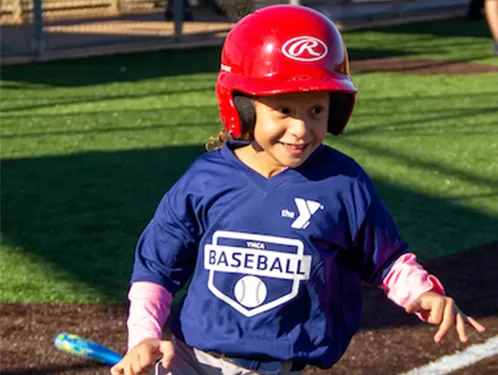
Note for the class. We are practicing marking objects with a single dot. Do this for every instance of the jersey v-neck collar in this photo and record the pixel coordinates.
(256, 178)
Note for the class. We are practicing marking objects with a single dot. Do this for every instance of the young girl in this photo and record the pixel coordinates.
(277, 230)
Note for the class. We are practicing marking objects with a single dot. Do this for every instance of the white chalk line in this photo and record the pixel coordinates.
(460, 359)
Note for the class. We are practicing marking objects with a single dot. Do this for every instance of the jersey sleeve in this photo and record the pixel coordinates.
(375, 236)
(167, 249)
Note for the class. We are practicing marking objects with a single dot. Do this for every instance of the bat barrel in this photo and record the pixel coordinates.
(85, 348)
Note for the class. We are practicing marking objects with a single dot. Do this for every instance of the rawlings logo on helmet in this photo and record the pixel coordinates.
(305, 48)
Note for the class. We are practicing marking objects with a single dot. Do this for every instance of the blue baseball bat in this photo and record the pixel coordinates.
(84, 348)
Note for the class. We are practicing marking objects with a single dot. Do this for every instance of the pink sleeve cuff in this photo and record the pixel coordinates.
(149, 309)
(407, 280)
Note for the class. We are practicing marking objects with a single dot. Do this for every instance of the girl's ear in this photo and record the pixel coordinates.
(247, 112)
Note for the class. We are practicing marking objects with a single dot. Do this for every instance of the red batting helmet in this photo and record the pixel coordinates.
(281, 49)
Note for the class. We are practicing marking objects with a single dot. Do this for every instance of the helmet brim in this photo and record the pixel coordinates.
(288, 84)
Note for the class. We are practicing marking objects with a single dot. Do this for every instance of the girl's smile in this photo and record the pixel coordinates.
(288, 128)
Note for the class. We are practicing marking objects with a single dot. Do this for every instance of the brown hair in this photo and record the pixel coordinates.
(216, 142)
(245, 107)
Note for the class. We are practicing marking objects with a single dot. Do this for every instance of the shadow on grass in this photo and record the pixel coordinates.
(426, 126)
(91, 98)
(116, 129)
(100, 70)
(427, 165)
(83, 213)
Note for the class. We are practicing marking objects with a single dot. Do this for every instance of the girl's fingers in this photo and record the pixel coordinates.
(474, 324)
(448, 321)
(116, 370)
(126, 370)
(130, 369)
(136, 365)
(460, 327)
(168, 351)
(436, 313)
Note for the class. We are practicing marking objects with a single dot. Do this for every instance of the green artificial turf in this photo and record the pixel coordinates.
(89, 147)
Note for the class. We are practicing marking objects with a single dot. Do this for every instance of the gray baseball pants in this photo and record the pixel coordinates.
(191, 361)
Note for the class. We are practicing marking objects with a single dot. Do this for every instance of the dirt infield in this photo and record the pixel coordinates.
(419, 66)
(390, 341)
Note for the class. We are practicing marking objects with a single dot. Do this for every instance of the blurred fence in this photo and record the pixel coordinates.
(40, 29)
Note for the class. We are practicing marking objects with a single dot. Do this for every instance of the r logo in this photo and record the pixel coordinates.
(305, 48)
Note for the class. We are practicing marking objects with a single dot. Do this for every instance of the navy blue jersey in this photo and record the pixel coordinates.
(277, 263)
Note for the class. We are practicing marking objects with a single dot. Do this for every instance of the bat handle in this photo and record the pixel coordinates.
(110, 358)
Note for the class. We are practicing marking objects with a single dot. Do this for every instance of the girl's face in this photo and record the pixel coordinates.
(289, 127)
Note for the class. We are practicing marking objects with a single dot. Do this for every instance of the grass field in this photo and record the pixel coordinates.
(90, 146)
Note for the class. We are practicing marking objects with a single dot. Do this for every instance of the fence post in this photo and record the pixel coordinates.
(39, 34)
(178, 18)
(18, 11)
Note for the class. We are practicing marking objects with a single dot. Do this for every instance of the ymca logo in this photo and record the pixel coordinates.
(306, 210)
(255, 273)
(305, 48)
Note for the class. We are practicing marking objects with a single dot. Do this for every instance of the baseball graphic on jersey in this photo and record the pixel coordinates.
(250, 291)
(255, 273)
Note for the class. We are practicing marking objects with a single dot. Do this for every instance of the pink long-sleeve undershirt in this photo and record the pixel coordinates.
(150, 303)
(149, 309)
(407, 279)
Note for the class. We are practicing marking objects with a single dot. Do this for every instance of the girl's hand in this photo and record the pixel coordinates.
(143, 356)
(438, 309)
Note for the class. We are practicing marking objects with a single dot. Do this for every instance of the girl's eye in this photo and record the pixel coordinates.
(317, 110)
(284, 110)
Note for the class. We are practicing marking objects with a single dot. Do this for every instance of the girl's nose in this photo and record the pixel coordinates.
(297, 127)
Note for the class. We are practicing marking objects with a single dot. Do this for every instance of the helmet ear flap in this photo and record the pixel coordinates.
(341, 106)
(247, 112)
